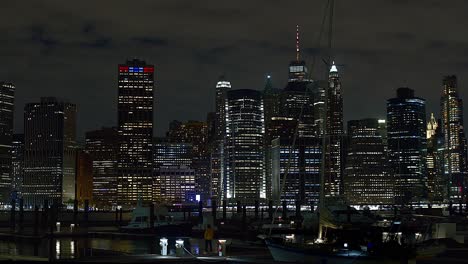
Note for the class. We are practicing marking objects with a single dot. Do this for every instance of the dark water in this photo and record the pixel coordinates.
(67, 248)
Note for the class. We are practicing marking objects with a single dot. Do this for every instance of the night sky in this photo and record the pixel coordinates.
(71, 51)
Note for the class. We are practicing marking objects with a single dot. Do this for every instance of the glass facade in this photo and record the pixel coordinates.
(406, 123)
(243, 150)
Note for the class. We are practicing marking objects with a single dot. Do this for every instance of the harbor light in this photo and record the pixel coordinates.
(72, 227)
(58, 226)
(345, 245)
(222, 247)
(179, 244)
(163, 243)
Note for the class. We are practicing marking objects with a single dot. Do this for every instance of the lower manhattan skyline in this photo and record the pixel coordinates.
(70, 52)
(325, 131)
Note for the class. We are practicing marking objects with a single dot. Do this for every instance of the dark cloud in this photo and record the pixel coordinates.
(40, 36)
(71, 50)
(99, 43)
(152, 41)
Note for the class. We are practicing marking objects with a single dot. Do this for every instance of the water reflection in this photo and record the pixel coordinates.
(67, 248)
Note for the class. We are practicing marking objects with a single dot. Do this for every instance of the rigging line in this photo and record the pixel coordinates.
(288, 166)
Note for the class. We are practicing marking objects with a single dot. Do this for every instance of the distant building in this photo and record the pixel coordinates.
(17, 163)
(407, 146)
(135, 129)
(243, 149)
(103, 146)
(436, 180)
(195, 133)
(174, 178)
(367, 180)
(7, 99)
(84, 177)
(271, 101)
(217, 142)
(302, 182)
(455, 158)
(334, 153)
(49, 152)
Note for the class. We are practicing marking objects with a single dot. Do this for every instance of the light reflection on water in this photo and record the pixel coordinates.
(67, 248)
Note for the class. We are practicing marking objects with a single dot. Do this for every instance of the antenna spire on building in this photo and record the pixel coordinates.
(297, 42)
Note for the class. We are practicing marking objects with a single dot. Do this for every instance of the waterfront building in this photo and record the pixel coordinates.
(367, 180)
(103, 146)
(407, 146)
(84, 177)
(195, 133)
(244, 146)
(174, 178)
(49, 152)
(7, 99)
(135, 130)
(302, 181)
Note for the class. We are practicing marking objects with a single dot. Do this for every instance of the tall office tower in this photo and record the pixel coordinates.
(84, 177)
(271, 101)
(243, 151)
(318, 91)
(222, 87)
(49, 152)
(195, 133)
(436, 181)
(217, 143)
(335, 135)
(135, 121)
(103, 147)
(7, 99)
(296, 100)
(302, 183)
(367, 179)
(406, 124)
(17, 163)
(455, 142)
(175, 179)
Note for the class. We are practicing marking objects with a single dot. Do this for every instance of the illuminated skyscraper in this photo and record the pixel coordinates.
(243, 151)
(49, 152)
(455, 142)
(103, 146)
(195, 133)
(271, 101)
(7, 99)
(436, 180)
(335, 135)
(174, 175)
(367, 177)
(406, 123)
(218, 141)
(135, 130)
(303, 180)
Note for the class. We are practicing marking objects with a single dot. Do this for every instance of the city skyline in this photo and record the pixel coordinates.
(76, 60)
